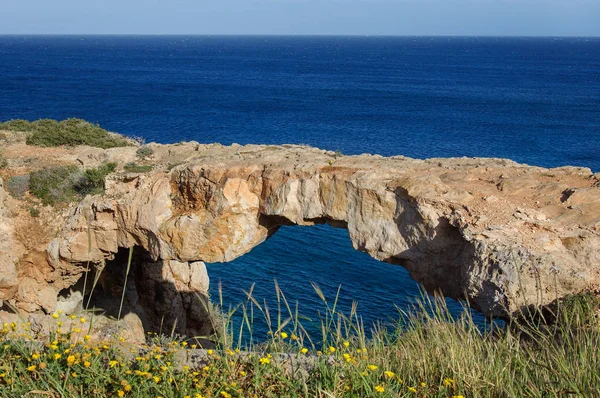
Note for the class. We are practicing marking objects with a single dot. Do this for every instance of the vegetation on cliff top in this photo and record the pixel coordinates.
(68, 183)
(427, 354)
(68, 132)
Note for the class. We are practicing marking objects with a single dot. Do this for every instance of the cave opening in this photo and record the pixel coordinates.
(149, 296)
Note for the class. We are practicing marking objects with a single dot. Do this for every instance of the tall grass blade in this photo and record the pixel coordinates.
(125, 283)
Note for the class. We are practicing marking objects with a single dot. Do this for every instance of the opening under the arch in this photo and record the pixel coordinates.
(296, 256)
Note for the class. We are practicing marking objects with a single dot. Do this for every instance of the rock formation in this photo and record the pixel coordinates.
(499, 234)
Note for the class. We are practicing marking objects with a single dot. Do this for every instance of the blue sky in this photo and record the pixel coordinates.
(350, 17)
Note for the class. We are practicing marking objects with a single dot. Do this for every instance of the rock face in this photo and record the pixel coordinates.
(10, 249)
(499, 234)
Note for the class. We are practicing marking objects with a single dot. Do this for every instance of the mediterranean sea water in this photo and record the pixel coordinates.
(533, 100)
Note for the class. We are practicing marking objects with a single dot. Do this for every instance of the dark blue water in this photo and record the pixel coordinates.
(532, 100)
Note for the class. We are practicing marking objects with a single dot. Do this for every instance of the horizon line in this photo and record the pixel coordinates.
(296, 35)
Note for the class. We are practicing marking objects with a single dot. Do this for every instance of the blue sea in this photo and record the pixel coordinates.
(533, 100)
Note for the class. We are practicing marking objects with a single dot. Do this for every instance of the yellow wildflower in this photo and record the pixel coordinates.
(412, 389)
(43, 365)
(35, 356)
(82, 320)
(379, 389)
(423, 384)
(55, 315)
(331, 349)
(121, 393)
(70, 360)
(448, 382)
(156, 379)
(283, 335)
(389, 374)
(373, 367)
(31, 368)
(265, 361)
(303, 350)
(127, 388)
(87, 364)
(112, 364)
(57, 356)
(346, 344)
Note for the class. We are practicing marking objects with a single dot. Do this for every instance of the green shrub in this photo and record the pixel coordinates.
(144, 152)
(55, 184)
(69, 132)
(67, 183)
(136, 168)
(34, 212)
(93, 179)
(3, 161)
(17, 125)
(18, 186)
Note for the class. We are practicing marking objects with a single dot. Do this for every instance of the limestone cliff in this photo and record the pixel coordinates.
(499, 234)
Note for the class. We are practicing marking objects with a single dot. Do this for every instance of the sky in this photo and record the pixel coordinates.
(303, 17)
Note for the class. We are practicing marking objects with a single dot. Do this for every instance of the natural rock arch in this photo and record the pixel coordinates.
(499, 234)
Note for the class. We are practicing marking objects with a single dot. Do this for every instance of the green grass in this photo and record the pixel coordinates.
(69, 132)
(426, 354)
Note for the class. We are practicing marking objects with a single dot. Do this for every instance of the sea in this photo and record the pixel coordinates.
(533, 100)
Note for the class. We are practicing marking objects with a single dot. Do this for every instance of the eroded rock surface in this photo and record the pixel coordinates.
(499, 234)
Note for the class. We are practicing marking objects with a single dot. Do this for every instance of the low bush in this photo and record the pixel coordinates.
(17, 125)
(34, 212)
(67, 183)
(69, 132)
(144, 152)
(136, 168)
(18, 186)
(55, 184)
(93, 179)
(3, 161)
